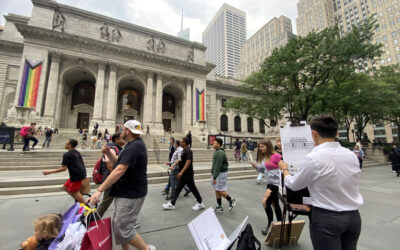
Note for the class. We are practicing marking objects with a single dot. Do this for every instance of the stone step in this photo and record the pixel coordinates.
(36, 179)
(55, 185)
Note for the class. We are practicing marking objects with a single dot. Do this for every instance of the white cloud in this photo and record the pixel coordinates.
(165, 15)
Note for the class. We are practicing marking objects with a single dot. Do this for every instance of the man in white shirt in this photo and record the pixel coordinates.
(332, 175)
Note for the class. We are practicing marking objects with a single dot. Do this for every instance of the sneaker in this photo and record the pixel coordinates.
(198, 206)
(218, 208)
(164, 192)
(186, 193)
(151, 247)
(168, 206)
(265, 230)
(258, 182)
(137, 225)
(232, 204)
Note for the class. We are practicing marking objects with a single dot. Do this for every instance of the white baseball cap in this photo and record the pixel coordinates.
(134, 126)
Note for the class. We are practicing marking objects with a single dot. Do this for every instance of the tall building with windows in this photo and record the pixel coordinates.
(346, 13)
(274, 34)
(224, 38)
(387, 14)
(314, 15)
(184, 33)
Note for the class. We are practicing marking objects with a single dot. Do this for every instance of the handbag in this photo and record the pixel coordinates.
(98, 235)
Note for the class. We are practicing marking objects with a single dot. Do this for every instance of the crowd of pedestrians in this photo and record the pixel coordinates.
(124, 181)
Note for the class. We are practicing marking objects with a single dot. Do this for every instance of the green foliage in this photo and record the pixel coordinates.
(359, 99)
(295, 77)
(390, 75)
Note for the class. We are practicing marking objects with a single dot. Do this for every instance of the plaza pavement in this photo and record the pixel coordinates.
(168, 230)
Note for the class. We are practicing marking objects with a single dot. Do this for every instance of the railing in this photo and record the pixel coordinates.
(156, 149)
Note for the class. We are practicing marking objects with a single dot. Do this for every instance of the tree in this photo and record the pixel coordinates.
(360, 99)
(291, 80)
(391, 76)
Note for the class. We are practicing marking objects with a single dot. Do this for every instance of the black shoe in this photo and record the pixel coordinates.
(168, 197)
(187, 193)
(265, 230)
(164, 192)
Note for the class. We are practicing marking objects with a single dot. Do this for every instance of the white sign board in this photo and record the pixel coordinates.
(208, 234)
(297, 142)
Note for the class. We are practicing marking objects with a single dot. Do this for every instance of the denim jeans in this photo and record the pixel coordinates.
(26, 143)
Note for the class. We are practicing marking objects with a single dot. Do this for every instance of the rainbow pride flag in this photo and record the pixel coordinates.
(30, 84)
(200, 105)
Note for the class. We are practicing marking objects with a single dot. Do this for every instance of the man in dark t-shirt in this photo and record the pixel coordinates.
(185, 177)
(128, 182)
(72, 160)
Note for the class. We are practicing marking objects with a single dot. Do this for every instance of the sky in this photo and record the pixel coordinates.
(165, 15)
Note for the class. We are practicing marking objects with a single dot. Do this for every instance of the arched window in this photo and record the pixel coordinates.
(224, 123)
(238, 125)
(250, 128)
(262, 126)
(83, 92)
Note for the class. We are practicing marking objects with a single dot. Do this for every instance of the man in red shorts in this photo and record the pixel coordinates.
(72, 160)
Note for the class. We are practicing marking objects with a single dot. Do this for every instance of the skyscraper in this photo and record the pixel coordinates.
(274, 34)
(314, 15)
(224, 38)
(184, 33)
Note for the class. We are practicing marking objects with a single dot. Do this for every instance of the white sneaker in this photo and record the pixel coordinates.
(151, 247)
(168, 206)
(198, 206)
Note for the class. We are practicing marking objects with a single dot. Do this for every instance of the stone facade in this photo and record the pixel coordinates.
(96, 69)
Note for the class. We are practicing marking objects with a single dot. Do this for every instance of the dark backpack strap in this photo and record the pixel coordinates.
(257, 242)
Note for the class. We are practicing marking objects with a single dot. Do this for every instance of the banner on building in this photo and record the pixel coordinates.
(30, 84)
(200, 105)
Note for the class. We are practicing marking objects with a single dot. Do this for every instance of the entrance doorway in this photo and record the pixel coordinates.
(167, 124)
(83, 120)
(127, 118)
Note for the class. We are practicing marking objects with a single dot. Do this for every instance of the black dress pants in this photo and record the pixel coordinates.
(330, 230)
(189, 181)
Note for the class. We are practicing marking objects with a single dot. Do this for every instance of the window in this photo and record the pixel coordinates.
(223, 103)
(384, 38)
(396, 41)
(262, 126)
(250, 127)
(394, 34)
(224, 123)
(238, 125)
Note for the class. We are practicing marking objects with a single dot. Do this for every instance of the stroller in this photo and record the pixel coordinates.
(82, 228)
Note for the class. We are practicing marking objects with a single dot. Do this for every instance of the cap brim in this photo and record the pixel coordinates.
(137, 132)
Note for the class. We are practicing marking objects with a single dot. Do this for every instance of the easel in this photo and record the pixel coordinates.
(293, 210)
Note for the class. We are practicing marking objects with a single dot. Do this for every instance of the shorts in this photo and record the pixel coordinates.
(73, 187)
(125, 215)
(222, 180)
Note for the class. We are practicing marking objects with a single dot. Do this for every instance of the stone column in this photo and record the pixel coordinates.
(112, 95)
(188, 104)
(159, 96)
(243, 119)
(51, 94)
(59, 107)
(98, 101)
(212, 122)
(231, 122)
(149, 99)
(256, 126)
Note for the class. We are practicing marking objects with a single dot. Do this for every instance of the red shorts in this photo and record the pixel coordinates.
(73, 187)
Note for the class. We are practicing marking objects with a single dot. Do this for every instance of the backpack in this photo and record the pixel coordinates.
(24, 131)
(98, 170)
(247, 240)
